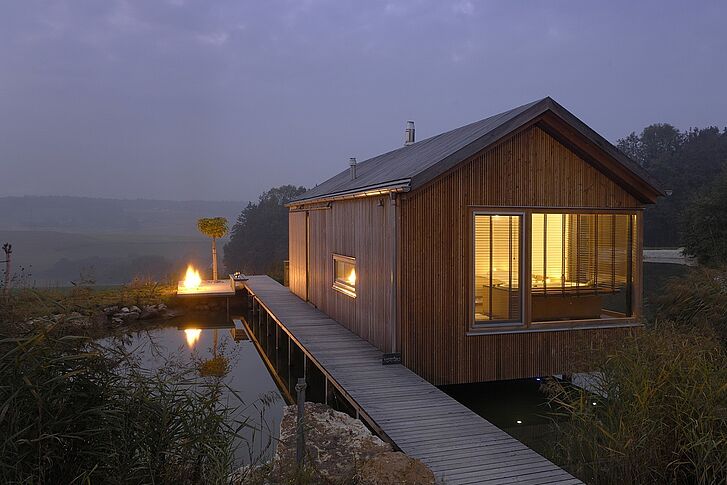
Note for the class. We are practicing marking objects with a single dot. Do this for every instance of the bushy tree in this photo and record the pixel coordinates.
(259, 238)
(214, 227)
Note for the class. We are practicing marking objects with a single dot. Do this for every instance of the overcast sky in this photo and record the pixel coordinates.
(183, 99)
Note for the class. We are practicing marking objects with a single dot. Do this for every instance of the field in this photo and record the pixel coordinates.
(59, 240)
(56, 258)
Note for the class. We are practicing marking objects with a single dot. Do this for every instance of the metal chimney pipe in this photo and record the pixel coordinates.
(352, 165)
(409, 137)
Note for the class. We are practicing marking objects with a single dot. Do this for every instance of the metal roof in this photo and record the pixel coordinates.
(417, 164)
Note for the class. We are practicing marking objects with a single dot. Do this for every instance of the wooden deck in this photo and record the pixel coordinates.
(459, 446)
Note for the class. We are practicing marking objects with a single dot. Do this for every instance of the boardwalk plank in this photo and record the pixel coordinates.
(417, 417)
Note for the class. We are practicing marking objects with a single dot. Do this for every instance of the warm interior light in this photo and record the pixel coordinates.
(192, 279)
(192, 335)
(549, 242)
(351, 280)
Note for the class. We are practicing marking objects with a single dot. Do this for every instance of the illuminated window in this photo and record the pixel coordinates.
(581, 266)
(497, 289)
(344, 274)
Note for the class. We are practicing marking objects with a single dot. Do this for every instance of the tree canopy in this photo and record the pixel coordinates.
(686, 164)
(259, 238)
(212, 226)
(704, 223)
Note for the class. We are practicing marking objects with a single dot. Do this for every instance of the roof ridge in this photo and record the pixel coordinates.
(424, 160)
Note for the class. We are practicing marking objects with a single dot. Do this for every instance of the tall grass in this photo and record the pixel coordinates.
(73, 411)
(657, 412)
(697, 300)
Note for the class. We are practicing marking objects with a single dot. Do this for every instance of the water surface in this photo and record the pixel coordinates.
(190, 340)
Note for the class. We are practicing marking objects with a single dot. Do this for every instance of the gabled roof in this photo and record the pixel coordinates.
(410, 167)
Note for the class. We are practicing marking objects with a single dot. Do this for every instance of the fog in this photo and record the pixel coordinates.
(220, 100)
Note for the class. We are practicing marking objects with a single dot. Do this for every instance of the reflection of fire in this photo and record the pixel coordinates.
(352, 278)
(192, 279)
(192, 335)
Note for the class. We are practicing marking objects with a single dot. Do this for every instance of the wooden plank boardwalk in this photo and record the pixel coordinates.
(459, 446)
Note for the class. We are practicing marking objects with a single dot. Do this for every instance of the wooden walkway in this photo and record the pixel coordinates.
(459, 446)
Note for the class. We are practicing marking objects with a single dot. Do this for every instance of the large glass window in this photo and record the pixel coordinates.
(581, 266)
(344, 274)
(497, 290)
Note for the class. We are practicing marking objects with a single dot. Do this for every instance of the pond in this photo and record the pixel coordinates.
(198, 338)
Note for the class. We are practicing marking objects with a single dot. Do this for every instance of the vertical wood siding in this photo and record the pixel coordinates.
(529, 169)
(358, 228)
(297, 253)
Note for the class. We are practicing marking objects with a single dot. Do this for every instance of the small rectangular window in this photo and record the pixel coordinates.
(344, 275)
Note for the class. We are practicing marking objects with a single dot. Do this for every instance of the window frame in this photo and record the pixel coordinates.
(527, 325)
(473, 322)
(340, 286)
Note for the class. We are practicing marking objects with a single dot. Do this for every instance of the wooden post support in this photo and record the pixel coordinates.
(300, 429)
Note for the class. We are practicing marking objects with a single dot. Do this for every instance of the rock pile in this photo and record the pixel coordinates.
(111, 316)
(340, 449)
(120, 315)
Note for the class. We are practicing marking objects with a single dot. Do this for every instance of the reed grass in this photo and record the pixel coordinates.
(697, 300)
(657, 411)
(74, 411)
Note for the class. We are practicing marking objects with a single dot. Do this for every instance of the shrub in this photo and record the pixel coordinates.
(660, 413)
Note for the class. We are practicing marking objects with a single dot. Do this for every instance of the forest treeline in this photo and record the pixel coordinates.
(259, 237)
(692, 167)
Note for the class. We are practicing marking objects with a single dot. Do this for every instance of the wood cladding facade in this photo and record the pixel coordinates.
(359, 228)
(423, 243)
(530, 169)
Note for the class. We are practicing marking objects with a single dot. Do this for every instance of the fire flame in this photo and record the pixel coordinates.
(192, 335)
(352, 278)
(192, 279)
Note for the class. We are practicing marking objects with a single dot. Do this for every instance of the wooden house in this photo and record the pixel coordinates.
(488, 252)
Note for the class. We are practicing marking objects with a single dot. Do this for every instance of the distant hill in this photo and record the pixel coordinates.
(93, 215)
(63, 239)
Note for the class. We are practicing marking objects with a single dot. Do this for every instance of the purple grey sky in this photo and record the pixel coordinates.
(185, 99)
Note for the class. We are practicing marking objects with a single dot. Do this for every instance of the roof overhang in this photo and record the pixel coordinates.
(395, 186)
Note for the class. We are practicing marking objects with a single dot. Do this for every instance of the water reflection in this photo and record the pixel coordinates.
(192, 335)
(206, 343)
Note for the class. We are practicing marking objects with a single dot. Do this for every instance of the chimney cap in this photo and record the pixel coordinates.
(352, 167)
(409, 137)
